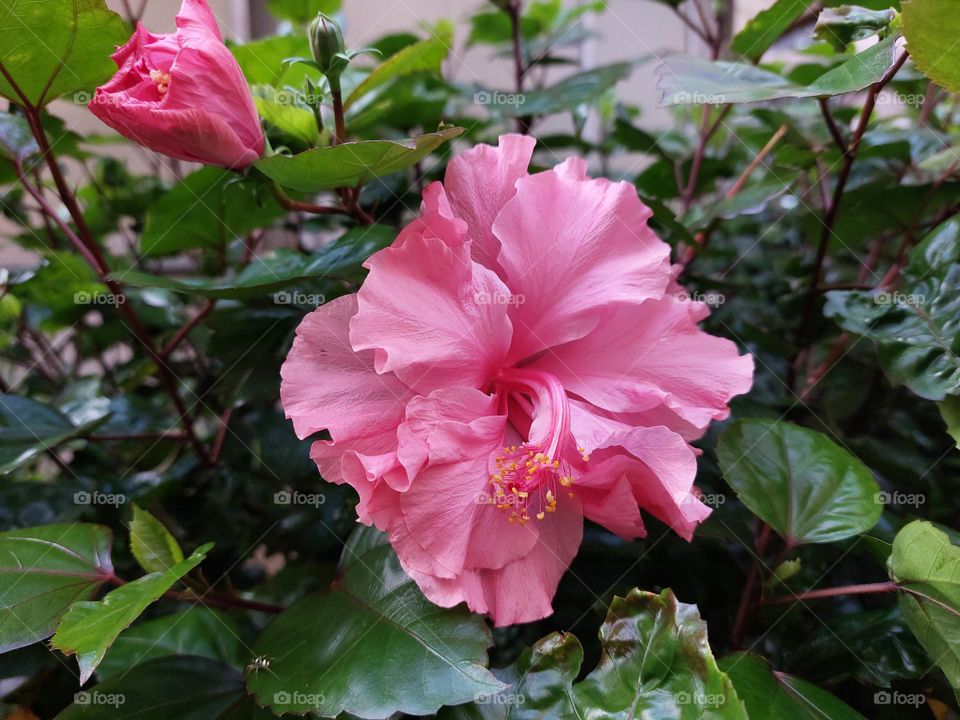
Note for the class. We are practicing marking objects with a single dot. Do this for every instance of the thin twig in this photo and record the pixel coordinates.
(864, 589)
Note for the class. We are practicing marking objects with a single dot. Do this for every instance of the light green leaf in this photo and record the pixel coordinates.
(89, 628)
(770, 694)
(848, 23)
(208, 208)
(582, 88)
(199, 631)
(932, 28)
(55, 47)
(950, 412)
(355, 648)
(424, 56)
(688, 80)
(152, 544)
(262, 60)
(927, 567)
(656, 663)
(766, 28)
(302, 11)
(798, 481)
(351, 163)
(285, 120)
(44, 569)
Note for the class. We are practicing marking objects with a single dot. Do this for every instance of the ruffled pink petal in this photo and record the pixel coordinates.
(196, 21)
(607, 497)
(570, 247)
(436, 220)
(480, 182)
(422, 310)
(447, 521)
(642, 357)
(523, 590)
(327, 385)
(357, 466)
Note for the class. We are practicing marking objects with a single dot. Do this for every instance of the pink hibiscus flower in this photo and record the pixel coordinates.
(521, 357)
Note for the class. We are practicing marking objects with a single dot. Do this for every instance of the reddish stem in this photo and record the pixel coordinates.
(864, 589)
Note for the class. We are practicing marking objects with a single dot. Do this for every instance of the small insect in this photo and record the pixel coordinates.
(261, 662)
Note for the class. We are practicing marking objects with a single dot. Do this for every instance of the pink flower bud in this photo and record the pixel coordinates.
(183, 94)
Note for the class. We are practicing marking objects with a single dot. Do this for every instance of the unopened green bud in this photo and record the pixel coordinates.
(326, 45)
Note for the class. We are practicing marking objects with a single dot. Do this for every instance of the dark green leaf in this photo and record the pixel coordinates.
(197, 631)
(28, 428)
(770, 694)
(927, 566)
(766, 28)
(917, 328)
(281, 268)
(931, 28)
(55, 47)
(89, 628)
(798, 481)
(152, 544)
(184, 687)
(354, 648)
(686, 80)
(582, 88)
(44, 570)
(351, 163)
(207, 209)
(16, 141)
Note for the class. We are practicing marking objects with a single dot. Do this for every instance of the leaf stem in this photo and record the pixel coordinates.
(863, 589)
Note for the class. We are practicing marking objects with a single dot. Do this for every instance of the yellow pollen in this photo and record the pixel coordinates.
(540, 515)
(162, 81)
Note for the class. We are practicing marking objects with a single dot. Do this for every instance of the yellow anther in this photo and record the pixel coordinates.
(540, 515)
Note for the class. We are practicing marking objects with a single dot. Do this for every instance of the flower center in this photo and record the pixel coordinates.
(162, 81)
(530, 476)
